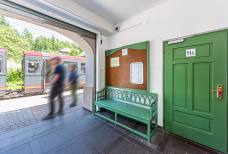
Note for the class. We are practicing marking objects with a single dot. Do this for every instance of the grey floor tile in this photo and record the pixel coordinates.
(55, 139)
(126, 147)
(23, 149)
(177, 146)
(35, 147)
(77, 147)
(101, 138)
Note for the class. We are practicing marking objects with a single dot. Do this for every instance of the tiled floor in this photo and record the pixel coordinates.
(21, 112)
(76, 132)
(80, 132)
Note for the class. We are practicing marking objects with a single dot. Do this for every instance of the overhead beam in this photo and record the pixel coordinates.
(69, 12)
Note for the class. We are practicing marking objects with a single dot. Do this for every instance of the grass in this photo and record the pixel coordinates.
(14, 86)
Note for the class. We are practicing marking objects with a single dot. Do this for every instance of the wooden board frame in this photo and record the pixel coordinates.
(140, 46)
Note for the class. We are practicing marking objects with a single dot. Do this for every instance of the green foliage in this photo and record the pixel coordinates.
(15, 76)
(14, 86)
(3, 21)
(76, 51)
(28, 36)
(15, 79)
(52, 44)
(17, 43)
(14, 44)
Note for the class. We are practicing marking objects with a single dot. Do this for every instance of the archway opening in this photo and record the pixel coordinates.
(87, 45)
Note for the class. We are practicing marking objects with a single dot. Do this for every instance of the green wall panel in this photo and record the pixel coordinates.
(202, 87)
(180, 85)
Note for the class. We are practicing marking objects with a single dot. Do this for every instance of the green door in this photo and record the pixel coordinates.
(193, 69)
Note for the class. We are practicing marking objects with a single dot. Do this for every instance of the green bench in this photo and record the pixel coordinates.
(138, 105)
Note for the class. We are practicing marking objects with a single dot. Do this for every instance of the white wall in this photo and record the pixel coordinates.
(171, 19)
(100, 74)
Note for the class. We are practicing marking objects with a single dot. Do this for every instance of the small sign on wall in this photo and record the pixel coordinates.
(179, 40)
(115, 62)
(136, 73)
(190, 52)
(125, 52)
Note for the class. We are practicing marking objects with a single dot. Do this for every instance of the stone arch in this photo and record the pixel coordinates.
(87, 45)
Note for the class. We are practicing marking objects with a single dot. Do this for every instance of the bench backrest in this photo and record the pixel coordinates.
(135, 97)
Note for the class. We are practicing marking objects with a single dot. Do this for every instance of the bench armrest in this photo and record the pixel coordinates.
(154, 105)
(100, 95)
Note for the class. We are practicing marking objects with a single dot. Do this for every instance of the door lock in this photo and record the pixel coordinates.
(219, 91)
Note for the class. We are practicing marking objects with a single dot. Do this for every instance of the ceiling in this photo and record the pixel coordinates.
(118, 10)
(93, 15)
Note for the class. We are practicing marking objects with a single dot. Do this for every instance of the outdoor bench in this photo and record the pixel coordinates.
(138, 105)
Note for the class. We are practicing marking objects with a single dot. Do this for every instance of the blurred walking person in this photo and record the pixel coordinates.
(57, 88)
(73, 80)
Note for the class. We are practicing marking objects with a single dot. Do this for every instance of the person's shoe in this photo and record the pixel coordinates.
(49, 116)
(73, 105)
(60, 113)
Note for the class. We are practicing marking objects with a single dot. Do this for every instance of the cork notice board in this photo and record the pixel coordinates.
(118, 68)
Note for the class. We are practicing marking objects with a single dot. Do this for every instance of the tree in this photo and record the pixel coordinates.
(28, 36)
(14, 44)
(53, 44)
(76, 51)
(3, 21)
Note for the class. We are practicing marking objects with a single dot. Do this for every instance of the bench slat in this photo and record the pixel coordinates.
(134, 112)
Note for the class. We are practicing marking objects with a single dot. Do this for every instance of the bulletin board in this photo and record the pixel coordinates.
(127, 67)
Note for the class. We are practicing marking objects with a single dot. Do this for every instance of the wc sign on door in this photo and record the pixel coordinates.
(190, 52)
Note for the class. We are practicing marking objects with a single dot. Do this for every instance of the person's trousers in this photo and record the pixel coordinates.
(74, 94)
(56, 91)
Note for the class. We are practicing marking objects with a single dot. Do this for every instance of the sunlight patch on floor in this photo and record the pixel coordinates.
(27, 102)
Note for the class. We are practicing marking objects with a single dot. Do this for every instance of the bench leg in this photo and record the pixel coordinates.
(115, 118)
(98, 108)
(148, 132)
(156, 122)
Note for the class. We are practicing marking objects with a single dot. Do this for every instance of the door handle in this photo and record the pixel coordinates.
(219, 91)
